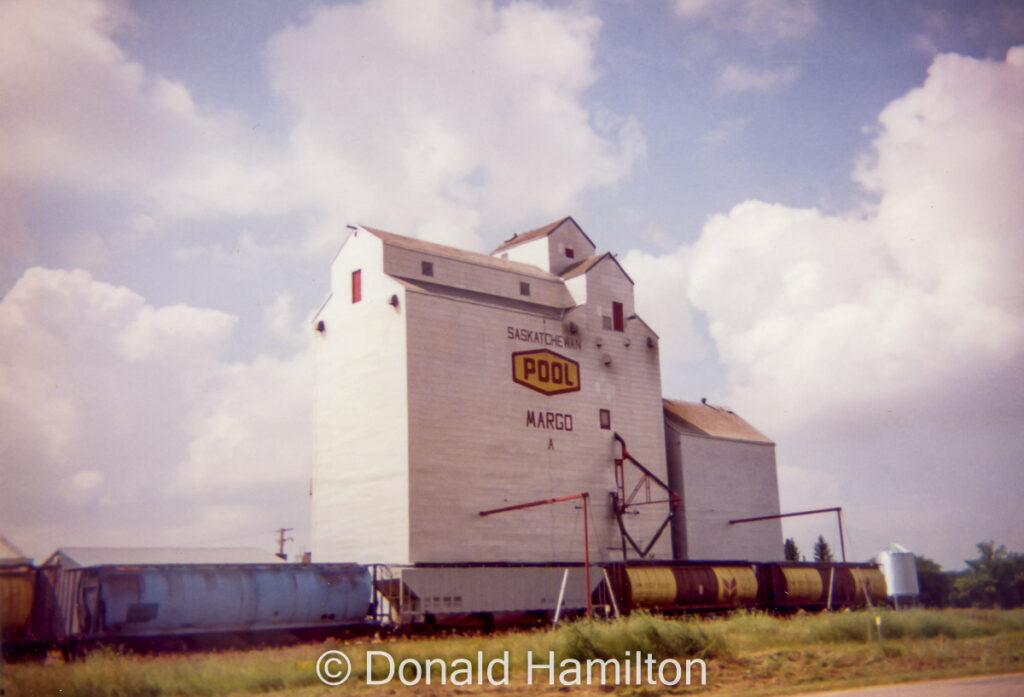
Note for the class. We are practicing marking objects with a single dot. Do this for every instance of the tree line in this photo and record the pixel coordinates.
(994, 579)
(822, 552)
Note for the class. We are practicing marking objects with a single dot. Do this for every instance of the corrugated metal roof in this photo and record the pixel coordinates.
(442, 250)
(582, 267)
(710, 420)
(521, 237)
(137, 556)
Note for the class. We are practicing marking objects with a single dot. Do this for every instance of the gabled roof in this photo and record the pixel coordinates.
(646, 326)
(582, 267)
(422, 287)
(522, 237)
(74, 557)
(709, 420)
(441, 250)
(10, 554)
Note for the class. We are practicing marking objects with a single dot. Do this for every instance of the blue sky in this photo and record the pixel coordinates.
(819, 202)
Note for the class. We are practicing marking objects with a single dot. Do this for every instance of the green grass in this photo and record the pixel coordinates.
(748, 652)
(751, 631)
(106, 672)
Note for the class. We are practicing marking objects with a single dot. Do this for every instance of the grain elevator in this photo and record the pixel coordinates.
(450, 382)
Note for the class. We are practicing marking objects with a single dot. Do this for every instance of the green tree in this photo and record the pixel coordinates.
(994, 579)
(935, 584)
(822, 552)
(790, 550)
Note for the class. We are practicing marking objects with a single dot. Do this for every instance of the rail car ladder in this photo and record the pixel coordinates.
(394, 603)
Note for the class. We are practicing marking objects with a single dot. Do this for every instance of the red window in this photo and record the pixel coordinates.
(357, 285)
(570, 252)
(617, 321)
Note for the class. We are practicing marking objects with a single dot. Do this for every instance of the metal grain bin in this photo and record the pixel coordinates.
(152, 601)
(900, 570)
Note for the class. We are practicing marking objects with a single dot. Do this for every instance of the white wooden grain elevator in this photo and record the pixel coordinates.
(450, 382)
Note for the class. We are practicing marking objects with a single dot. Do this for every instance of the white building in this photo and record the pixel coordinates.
(723, 469)
(450, 382)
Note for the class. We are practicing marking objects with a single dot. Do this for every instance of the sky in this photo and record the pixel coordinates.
(820, 203)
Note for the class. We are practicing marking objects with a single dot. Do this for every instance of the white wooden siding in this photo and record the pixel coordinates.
(722, 480)
(360, 475)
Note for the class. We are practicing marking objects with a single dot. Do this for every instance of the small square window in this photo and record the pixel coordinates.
(606, 322)
(570, 253)
(524, 288)
(606, 419)
(427, 268)
(357, 285)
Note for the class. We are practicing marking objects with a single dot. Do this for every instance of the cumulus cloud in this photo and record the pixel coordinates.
(279, 318)
(739, 78)
(429, 118)
(252, 432)
(79, 114)
(946, 166)
(814, 314)
(767, 21)
(662, 277)
(896, 329)
(123, 423)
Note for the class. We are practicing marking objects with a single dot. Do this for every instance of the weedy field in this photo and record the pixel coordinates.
(744, 653)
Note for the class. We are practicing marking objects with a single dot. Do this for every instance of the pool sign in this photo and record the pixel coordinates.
(546, 372)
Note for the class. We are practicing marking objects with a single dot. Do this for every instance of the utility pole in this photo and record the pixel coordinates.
(281, 539)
